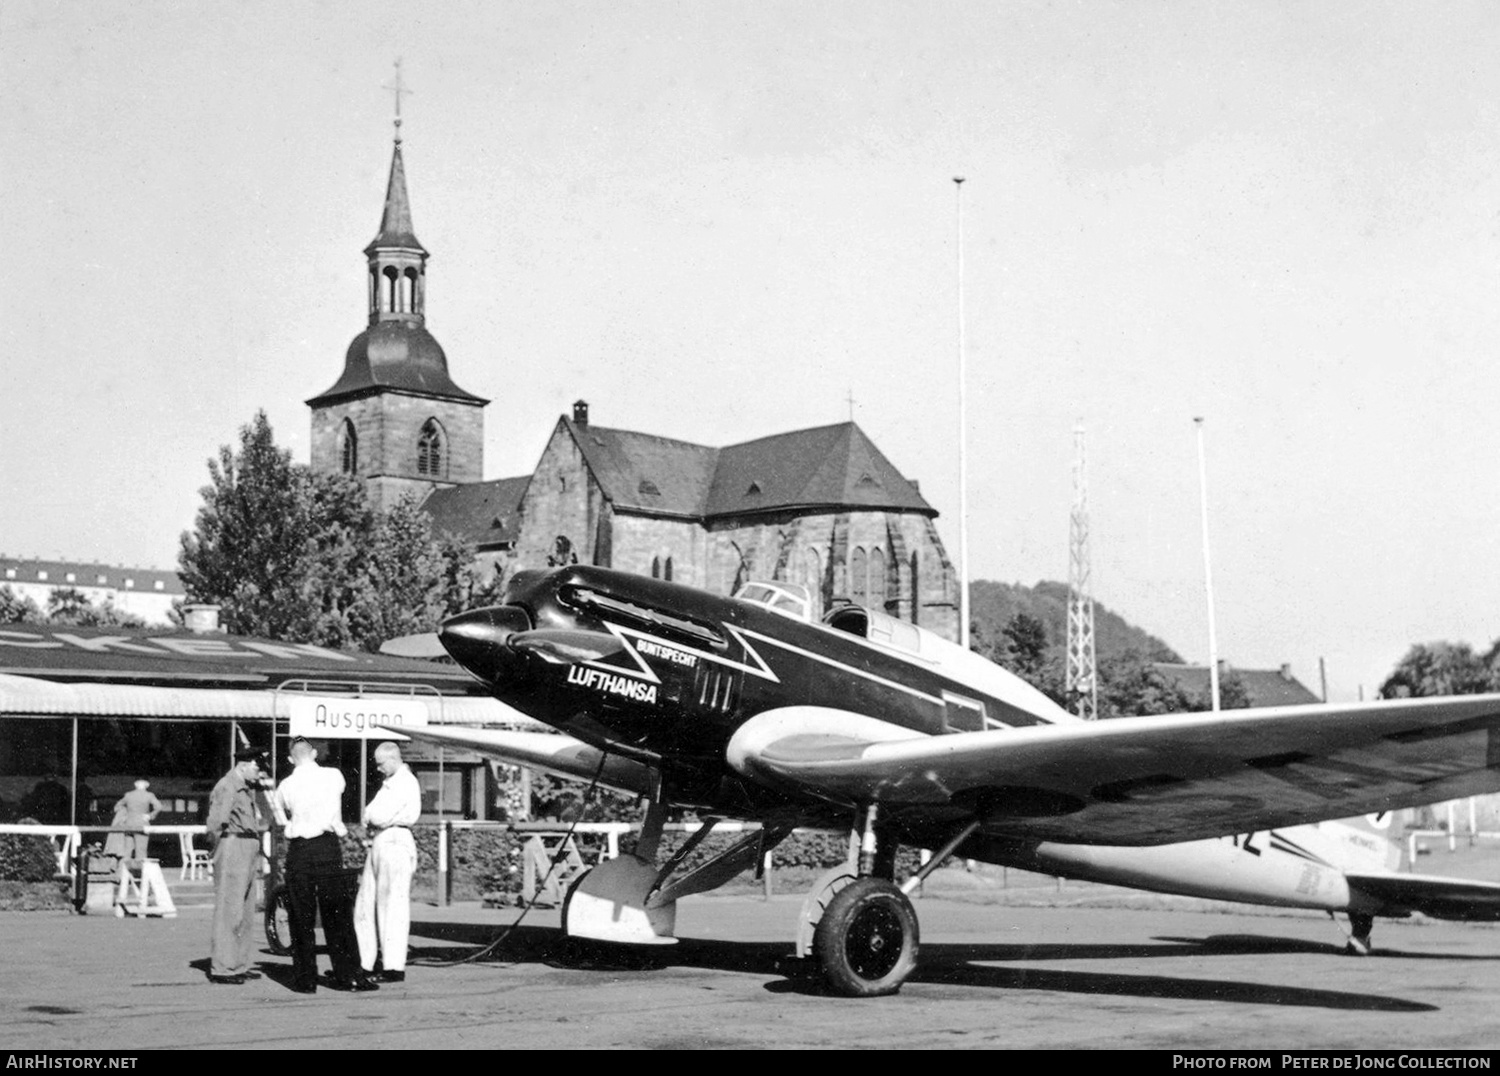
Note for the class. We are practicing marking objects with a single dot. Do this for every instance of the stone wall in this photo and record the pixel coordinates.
(388, 426)
(562, 502)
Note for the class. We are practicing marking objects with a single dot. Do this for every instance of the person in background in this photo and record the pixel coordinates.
(310, 802)
(382, 912)
(135, 811)
(238, 815)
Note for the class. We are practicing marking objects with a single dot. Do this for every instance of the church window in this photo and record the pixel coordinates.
(753, 489)
(655, 567)
(916, 589)
(877, 578)
(430, 460)
(666, 570)
(812, 576)
(349, 449)
(858, 582)
(649, 488)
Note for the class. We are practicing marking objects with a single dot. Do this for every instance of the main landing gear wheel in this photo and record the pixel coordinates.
(1360, 926)
(867, 939)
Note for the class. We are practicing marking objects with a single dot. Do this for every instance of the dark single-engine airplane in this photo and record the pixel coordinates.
(745, 708)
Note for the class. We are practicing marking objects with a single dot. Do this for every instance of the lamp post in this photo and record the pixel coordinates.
(963, 436)
(1208, 575)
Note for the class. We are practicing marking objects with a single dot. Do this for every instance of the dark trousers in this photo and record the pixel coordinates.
(315, 882)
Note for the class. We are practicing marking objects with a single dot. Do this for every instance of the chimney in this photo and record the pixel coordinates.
(201, 619)
(580, 412)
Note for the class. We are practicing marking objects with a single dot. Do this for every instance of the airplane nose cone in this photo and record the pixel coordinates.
(477, 639)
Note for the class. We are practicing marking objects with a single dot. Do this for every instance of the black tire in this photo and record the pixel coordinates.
(278, 922)
(867, 939)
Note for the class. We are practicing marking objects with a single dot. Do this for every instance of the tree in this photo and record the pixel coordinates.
(1131, 686)
(1440, 669)
(69, 605)
(15, 609)
(251, 550)
(406, 568)
(1026, 637)
(302, 556)
(462, 584)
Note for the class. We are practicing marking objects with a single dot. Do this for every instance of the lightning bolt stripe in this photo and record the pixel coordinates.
(1281, 844)
(883, 681)
(644, 670)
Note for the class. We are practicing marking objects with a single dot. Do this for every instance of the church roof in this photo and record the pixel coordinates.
(397, 354)
(647, 473)
(484, 513)
(826, 467)
(395, 223)
(1263, 687)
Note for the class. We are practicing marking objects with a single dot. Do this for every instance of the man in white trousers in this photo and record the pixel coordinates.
(382, 913)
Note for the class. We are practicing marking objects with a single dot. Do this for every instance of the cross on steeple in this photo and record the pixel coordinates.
(397, 88)
(850, 400)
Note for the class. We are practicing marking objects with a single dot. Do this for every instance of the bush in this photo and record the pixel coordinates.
(489, 857)
(26, 857)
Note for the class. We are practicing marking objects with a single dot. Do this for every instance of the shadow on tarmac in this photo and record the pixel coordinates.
(942, 964)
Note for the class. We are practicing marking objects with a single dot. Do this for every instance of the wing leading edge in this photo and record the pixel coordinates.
(1147, 780)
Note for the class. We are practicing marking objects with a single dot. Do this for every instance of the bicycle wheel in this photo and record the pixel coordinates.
(278, 922)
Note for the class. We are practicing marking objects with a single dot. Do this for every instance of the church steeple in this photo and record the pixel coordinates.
(398, 263)
(394, 417)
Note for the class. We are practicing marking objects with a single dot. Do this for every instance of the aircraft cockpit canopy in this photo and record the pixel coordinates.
(875, 626)
(789, 599)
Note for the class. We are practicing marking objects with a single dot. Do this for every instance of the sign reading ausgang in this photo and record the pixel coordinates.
(325, 718)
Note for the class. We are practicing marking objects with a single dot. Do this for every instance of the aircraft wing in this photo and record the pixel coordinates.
(1441, 898)
(550, 752)
(1143, 780)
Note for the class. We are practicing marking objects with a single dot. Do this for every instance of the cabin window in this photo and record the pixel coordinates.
(961, 714)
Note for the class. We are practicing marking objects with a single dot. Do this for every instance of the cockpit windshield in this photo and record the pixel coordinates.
(789, 599)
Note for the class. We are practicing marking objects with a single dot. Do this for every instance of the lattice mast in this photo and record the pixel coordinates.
(1082, 681)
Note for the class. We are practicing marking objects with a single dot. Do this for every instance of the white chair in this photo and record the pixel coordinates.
(195, 861)
(65, 846)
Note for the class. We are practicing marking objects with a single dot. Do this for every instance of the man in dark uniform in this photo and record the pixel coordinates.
(238, 815)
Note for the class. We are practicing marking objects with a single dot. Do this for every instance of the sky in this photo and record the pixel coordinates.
(718, 221)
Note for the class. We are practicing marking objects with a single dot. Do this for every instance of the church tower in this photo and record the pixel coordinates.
(394, 417)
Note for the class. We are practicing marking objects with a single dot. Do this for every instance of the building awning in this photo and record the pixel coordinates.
(32, 697)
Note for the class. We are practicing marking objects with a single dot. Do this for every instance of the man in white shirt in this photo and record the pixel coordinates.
(311, 803)
(382, 913)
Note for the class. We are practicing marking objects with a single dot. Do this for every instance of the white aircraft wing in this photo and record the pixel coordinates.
(1143, 780)
(551, 752)
(1441, 898)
